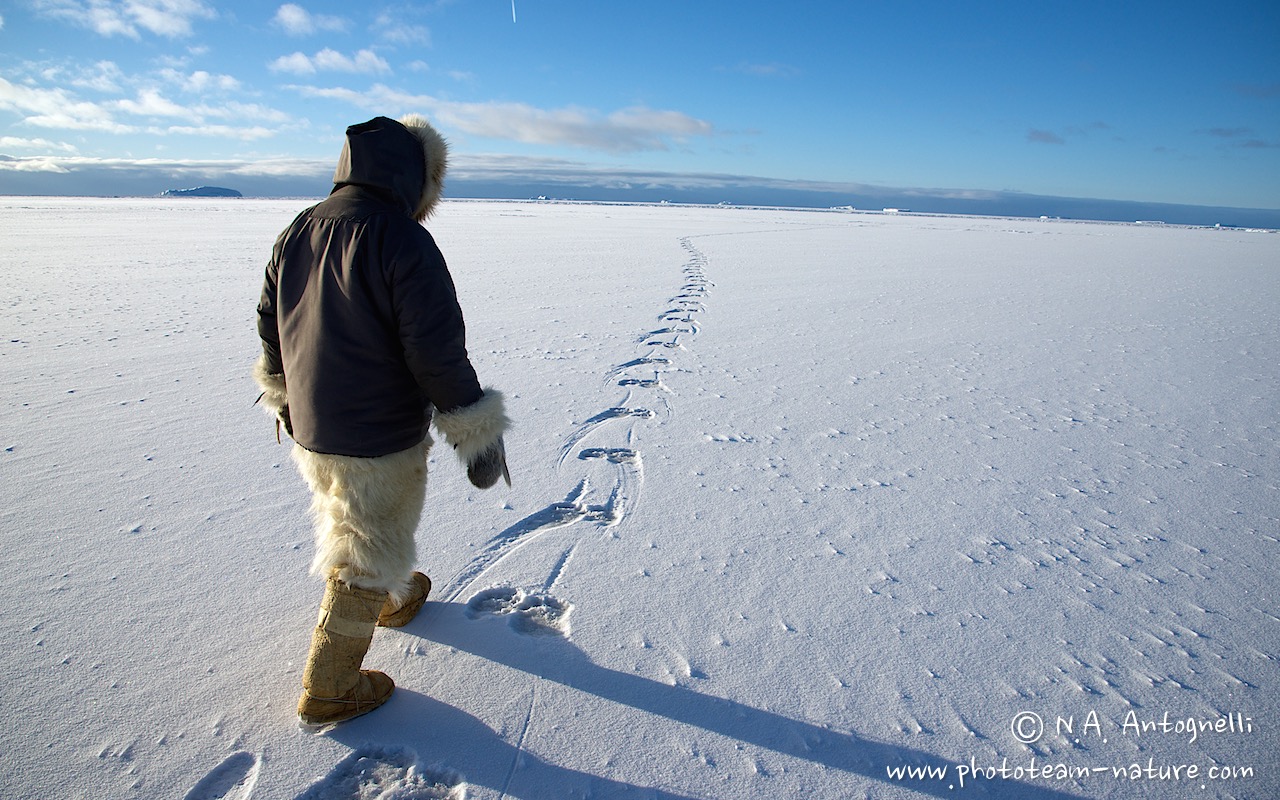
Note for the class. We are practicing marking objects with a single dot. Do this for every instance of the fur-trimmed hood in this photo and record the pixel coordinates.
(405, 161)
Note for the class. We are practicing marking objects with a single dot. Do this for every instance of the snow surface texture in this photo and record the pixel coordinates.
(802, 501)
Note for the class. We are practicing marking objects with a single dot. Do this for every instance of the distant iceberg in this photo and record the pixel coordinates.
(201, 191)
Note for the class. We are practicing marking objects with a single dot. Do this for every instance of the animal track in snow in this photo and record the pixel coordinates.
(233, 779)
(503, 544)
(637, 362)
(740, 438)
(557, 515)
(624, 495)
(372, 772)
(684, 304)
(645, 383)
(586, 428)
(685, 325)
(618, 455)
(535, 614)
(626, 488)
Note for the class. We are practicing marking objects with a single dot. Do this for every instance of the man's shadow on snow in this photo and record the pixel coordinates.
(440, 745)
(555, 659)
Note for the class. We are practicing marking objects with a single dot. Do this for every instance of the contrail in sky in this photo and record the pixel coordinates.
(513, 10)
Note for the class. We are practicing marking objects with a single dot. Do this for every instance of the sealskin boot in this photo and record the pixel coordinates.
(334, 686)
(393, 616)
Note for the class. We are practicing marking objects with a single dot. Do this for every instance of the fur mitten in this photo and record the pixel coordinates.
(476, 431)
(485, 469)
(275, 397)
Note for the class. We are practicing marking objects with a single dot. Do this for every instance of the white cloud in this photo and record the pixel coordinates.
(105, 77)
(172, 168)
(37, 164)
(69, 120)
(329, 60)
(407, 35)
(16, 143)
(351, 96)
(628, 130)
(645, 121)
(248, 134)
(151, 103)
(393, 27)
(200, 82)
(297, 63)
(55, 108)
(195, 119)
(297, 21)
(58, 109)
(171, 18)
(284, 167)
(248, 111)
(364, 61)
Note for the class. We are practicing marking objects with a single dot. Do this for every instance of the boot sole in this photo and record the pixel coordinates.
(343, 709)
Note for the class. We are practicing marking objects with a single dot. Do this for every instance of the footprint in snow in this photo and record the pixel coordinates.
(739, 438)
(613, 413)
(637, 362)
(617, 455)
(588, 427)
(385, 773)
(233, 779)
(530, 614)
(643, 383)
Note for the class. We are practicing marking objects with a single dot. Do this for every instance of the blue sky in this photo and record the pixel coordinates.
(1159, 102)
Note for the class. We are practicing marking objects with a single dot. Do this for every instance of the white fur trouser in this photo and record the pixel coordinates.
(366, 513)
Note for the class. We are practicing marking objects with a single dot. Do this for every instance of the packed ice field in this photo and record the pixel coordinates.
(806, 505)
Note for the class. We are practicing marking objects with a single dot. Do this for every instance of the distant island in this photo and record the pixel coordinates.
(201, 191)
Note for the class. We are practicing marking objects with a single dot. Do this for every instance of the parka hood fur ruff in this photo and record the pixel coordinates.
(435, 151)
(405, 159)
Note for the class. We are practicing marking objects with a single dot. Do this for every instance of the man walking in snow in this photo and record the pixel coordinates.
(363, 347)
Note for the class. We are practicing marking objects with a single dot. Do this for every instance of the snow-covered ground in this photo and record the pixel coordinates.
(802, 500)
